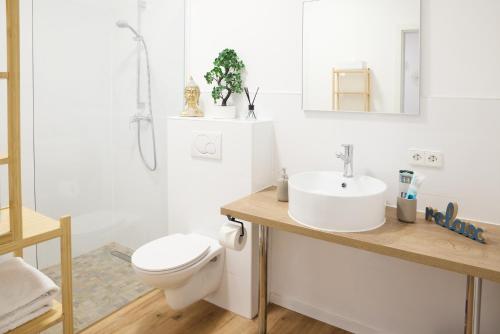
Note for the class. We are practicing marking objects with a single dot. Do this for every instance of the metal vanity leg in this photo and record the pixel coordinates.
(473, 305)
(263, 244)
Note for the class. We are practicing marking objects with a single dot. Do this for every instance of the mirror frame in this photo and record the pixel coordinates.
(304, 2)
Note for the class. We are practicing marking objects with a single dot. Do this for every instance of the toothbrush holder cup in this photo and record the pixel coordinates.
(407, 210)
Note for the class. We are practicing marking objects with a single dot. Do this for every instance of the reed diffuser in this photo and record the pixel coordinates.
(251, 103)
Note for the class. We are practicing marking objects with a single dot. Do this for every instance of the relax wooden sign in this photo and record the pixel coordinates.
(449, 221)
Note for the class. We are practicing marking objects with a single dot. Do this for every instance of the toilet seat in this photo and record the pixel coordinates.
(172, 253)
(187, 268)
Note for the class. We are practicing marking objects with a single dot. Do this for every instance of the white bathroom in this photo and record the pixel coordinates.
(216, 166)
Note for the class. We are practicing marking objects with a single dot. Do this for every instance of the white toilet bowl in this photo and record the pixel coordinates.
(187, 267)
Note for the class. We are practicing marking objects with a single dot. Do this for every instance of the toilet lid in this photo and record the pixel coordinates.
(171, 253)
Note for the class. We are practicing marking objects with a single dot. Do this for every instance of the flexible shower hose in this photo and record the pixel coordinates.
(150, 119)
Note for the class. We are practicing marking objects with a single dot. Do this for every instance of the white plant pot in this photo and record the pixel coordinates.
(227, 112)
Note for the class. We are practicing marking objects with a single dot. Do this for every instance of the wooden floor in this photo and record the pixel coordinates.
(151, 315)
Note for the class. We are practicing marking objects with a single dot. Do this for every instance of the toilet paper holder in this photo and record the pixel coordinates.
(232, 219)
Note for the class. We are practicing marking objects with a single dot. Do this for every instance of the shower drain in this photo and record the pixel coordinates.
(121, 256)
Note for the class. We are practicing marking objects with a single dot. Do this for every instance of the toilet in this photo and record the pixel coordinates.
(187, 267)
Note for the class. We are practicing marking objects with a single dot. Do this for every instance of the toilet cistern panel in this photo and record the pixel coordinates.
(206, 145)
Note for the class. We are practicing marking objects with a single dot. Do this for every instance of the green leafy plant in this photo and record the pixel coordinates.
(226, 75)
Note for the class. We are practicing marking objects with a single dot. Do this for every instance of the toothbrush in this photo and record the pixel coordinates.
(415, 184)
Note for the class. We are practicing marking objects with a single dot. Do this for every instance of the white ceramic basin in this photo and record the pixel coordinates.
(328, 201)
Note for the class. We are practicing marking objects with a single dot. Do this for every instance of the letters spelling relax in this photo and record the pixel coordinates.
(449, 221)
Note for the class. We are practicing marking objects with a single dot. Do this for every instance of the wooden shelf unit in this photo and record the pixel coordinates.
(22, 227)
(38, 228)
(365, 94)
(4, 160)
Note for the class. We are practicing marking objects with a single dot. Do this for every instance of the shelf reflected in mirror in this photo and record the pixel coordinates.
(361, 56)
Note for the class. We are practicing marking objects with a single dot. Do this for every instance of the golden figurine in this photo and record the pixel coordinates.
(192, 97)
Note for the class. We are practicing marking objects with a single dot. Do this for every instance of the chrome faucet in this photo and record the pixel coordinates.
(347, 157)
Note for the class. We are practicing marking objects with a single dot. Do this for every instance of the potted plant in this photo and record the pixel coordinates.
(226, 75)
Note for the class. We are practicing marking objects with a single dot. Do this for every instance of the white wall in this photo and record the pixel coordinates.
(339, 32)
(460, 103)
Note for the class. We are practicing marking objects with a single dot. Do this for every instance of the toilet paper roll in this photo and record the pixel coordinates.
(229, 236)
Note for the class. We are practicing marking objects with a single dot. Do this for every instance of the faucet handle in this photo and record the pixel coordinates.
(348, 149)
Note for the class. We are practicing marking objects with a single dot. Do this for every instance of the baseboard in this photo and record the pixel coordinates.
(321, 315)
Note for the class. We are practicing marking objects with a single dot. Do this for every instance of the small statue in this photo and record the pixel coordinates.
(192, 97)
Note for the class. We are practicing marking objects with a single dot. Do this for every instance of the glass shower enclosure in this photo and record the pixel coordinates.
(89, 85)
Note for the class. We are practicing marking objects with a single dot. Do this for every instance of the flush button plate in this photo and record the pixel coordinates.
(206, 145)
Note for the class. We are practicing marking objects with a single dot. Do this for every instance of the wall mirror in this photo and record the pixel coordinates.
(361, 56)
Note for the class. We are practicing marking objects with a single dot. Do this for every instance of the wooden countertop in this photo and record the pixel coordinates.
(423, 242)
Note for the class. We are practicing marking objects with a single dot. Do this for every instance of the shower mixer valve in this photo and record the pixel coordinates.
(140, 117)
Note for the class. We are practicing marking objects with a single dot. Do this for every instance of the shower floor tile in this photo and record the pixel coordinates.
(102, 284)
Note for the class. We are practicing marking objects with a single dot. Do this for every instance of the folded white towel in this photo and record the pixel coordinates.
(23, 313)
(24, 319)
(24, 292)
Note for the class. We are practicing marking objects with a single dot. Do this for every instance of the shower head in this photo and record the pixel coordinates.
(122, 24)
(125, 24)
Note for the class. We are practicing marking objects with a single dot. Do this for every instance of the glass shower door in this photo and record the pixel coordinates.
(85, 158)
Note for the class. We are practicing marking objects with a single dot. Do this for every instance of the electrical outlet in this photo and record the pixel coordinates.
(434, 159)
(417, 157)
